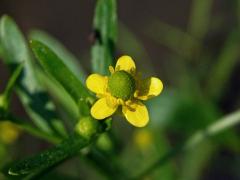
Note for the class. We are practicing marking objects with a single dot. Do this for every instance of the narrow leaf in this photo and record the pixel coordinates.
(32, 96)
(1, 51)
(105, 29)
(59, 71)
(61, 97)
(51, 157)
(200, 136)
(26, 126)
(180, 42)
(200, 18)
(5, 98)
(12, 81)
(40, 163)
(224, 66)
(196, 162)
(68, 58)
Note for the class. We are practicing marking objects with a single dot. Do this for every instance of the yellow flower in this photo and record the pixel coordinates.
(9, 132)
(123, 88)
(143, 138)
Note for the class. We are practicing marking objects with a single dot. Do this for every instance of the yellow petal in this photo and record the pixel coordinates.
(97, 83)
(136, 114)
(102, 108)
(126, 63)
(149, 88)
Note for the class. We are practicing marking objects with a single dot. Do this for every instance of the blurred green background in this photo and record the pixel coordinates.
(193, 46)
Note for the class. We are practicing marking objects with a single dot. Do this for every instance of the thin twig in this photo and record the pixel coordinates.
(32, 130)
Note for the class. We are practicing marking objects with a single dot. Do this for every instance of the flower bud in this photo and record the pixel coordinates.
(9, 132)
(87, 127)
(104, 142)
(3, 106)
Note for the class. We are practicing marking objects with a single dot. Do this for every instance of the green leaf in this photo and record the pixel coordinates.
(180, 42)
(32, 95)
(148, 153)
(223, 68)
(105, 29)
(61, 97)
(68, 58)
(3, 152)
(1, 50)
(24, 125)
(200, 136)
(49, 158)
(53, 65)
(5, 98)
(200, 18)
(237, 5)
(202, 111)
(56, 91)
(193, 164)
(12, 81)
(40, 163)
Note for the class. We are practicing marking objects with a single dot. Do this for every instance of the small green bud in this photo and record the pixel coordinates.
(2, 101)
(3, 106)
(104, 142)
(121, 85)
(87, 127)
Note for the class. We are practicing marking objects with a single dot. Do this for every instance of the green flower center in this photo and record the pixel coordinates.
(121, 85)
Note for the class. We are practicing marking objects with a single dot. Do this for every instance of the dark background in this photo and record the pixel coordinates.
(71, 23)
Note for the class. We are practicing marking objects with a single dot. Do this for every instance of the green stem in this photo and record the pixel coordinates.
(6, 96)
(12, 81)
(32, 130)
(55, 140)
(47, 159)
(201, 135)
